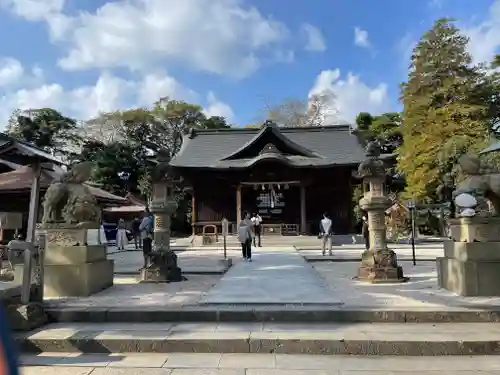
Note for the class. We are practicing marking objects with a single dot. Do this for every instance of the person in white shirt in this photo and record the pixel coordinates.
(245, 237)
(256, 221)
(325, 231)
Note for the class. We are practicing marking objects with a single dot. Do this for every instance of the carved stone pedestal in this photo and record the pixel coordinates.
(471, 262)
(74, 268)
(162, 268)
(380, 267)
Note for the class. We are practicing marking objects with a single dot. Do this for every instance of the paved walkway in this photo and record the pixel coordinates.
(276, 276)
(254, 364)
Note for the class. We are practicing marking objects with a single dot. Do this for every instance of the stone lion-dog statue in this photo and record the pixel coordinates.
(481, 182)
(69, 200)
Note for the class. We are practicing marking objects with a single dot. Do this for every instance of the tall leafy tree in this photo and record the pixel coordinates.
(443, 117)
(45, 128)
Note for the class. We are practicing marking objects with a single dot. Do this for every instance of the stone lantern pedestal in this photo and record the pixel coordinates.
(378, 263)
(162, 263)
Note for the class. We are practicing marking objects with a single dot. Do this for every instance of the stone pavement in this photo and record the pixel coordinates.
(427, 252)
(276, 276)
(253, 364)
(192, 262)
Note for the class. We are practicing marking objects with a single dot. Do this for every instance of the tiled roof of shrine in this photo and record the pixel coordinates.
(236, 148)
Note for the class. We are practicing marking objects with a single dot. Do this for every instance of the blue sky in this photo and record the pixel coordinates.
(233, 57)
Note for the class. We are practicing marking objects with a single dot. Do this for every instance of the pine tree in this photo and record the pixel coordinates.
(442, 116)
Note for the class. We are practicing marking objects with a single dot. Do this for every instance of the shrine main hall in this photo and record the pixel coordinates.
(290, 176)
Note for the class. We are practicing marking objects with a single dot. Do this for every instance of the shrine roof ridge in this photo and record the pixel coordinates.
(282, 129)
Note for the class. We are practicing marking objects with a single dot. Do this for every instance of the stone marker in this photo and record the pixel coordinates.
(378, 263)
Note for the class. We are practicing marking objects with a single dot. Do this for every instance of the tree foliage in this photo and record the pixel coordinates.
(318, 110)
(45, 128)
(443, 111)
(135, 136)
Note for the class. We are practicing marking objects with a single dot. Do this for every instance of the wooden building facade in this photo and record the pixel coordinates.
(290, 176)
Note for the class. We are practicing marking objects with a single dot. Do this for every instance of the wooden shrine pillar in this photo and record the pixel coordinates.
(303, 219)
(238, 205)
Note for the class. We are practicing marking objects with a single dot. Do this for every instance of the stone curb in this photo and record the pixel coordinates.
(243, 342)
(278, 315)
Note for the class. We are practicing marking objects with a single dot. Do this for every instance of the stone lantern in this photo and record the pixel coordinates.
(378, 263)
(162, 263)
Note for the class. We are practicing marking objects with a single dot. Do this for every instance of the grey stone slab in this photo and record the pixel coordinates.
(264, 361)
(42, 359)
(140, 361)
(276, 276)
(131, 371)
(88, 360)
(288, 372)
(193, 360)
(208, 371)
(48, 370)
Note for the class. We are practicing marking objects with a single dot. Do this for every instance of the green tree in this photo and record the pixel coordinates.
(45, 128)
(364, 121)
(442, 116)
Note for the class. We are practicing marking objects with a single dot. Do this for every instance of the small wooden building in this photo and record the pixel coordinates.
(290, 176)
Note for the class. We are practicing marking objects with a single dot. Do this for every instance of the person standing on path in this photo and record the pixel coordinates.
(256, 221)
(365, 232)
(325, 228)
(146, 229)
(121, 235)
(136, 233)
(245, 237)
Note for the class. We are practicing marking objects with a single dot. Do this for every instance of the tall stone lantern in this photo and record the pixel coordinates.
(378, 263)
(162, 263)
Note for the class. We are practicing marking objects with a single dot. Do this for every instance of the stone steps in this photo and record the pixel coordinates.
(391, 339)
(270, 313)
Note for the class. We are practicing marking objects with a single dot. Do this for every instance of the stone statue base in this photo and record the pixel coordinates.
(380, 266)
(471, 267)
(26, 317)
(74, 268)
(162, 268)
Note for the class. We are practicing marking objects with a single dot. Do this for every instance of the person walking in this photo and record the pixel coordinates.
(136, 233)
(121, 235)
(325, 227)
(146, 228)
(365, 232)
(245, 237)
(256, 222)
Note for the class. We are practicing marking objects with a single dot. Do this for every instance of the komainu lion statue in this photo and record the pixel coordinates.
(481, 182)
(69, 200)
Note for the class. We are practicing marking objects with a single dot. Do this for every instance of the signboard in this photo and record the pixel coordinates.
(225, 227)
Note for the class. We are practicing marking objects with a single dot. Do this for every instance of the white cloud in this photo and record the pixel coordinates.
(351, 95)
(361, 38)
(218, 108)
(11, 71)
(485, 36)
(34, 10)
(217, 36)
(315, 41)
(108, 93)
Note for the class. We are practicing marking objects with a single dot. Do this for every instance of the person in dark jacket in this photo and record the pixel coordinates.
(365, 232)
(9, 361)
